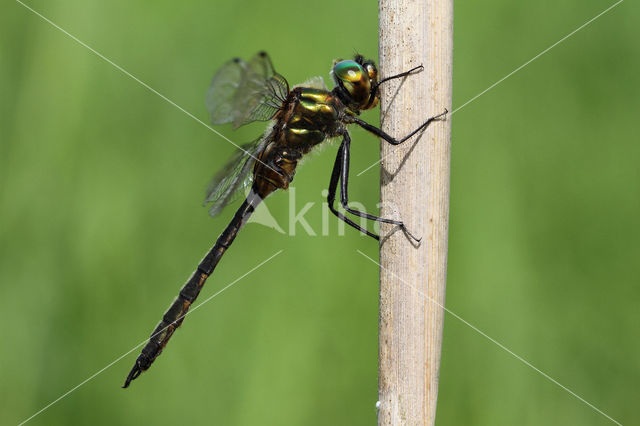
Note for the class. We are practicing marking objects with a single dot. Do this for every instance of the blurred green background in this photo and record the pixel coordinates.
(100, 220)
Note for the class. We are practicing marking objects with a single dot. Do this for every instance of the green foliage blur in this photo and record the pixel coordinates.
(101, 183)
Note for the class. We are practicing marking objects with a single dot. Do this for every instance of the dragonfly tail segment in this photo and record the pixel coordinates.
(174, 316)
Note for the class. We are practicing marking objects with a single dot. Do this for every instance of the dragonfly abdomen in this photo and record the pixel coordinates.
(173, 317)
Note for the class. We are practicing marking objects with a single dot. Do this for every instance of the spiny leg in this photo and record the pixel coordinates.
(374, 89)
(419, 68)
(344, 154)
(386, 136)
(331, 197)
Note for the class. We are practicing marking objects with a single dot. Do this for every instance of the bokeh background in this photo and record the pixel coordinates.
(101, 182)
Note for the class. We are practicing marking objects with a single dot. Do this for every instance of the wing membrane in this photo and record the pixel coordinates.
(227, 185)
(243, 92)
(220, 96)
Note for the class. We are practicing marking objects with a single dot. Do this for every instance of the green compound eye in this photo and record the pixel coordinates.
(349, 71)
(355, 80)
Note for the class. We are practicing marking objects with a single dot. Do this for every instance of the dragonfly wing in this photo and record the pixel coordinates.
(243, 92)
(261, 92)
(227, 185)
(221, 93)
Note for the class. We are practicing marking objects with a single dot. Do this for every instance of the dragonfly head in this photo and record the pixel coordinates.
(356, 82)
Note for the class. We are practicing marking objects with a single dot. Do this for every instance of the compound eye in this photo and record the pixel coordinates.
(372, 71)
(350, 71)
(353, 77)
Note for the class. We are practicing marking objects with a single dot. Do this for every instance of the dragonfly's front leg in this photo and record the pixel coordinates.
(373, 94)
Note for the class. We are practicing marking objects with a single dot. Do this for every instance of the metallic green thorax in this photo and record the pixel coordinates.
(312, 117)
(309, 116)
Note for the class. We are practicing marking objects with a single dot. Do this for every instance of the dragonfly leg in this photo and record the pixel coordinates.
(374, 89)
(413, 70)
(389, 138)
(333, 186)
(344, 192)
(341, 173)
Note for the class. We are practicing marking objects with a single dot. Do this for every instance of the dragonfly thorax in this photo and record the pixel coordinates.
(312, 117)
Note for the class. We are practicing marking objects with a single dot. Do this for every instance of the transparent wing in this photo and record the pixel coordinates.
(242, 92)
(261, 93)
(224, 86)
(227, 185)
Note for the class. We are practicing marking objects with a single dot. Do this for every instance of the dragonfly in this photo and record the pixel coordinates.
(300, 118)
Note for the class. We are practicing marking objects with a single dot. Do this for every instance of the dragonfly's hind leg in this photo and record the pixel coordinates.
(333, 186)
(341, 172)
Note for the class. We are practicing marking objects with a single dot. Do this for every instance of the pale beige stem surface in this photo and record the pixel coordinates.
(415, 189)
